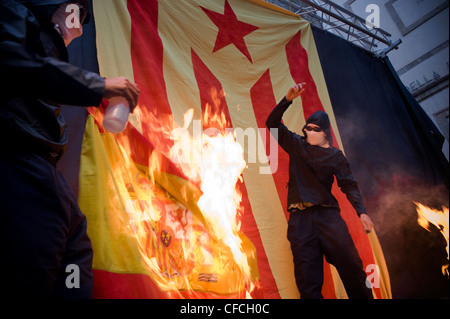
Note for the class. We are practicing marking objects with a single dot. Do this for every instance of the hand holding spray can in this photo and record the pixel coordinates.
(116, 114)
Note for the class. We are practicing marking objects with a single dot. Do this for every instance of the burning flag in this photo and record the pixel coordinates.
(438, 218)
(166, 220)
(188, 239)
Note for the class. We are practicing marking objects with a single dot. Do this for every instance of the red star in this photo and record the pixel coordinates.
(231, 30)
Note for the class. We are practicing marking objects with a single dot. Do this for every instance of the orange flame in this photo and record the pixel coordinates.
(194, 240)
(218, 165)
(438, 218)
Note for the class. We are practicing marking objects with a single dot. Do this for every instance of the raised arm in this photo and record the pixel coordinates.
(285, 137)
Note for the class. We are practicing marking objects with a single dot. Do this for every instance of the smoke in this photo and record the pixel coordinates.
(391, 177)
(394, 208)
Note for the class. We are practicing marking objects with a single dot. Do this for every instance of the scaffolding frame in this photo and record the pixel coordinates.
(330, 17)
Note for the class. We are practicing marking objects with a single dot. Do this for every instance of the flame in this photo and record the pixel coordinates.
(193, 240)
(438, 218)
(218, 167)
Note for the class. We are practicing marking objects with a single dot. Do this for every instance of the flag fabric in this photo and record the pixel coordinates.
(237, 57)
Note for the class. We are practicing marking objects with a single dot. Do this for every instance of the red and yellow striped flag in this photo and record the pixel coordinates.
(237, 57)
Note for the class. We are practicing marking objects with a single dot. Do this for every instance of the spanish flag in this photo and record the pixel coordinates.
(237, 57)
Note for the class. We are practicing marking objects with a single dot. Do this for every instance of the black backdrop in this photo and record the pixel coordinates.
(393, 148)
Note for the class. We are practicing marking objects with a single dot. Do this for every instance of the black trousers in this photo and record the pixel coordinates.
(46, 252)
(317, 232)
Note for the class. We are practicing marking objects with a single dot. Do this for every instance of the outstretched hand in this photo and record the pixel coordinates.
(295, 91)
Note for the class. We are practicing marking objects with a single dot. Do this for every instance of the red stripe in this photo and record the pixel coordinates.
(109, 285)
(141, 149)
(263, 101)
(147, 58)
(208, 86)
(298, 65)
(211, 94)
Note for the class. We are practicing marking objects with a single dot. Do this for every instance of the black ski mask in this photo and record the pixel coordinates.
(321, 119)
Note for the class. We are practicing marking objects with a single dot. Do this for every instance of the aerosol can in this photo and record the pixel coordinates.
(116, 115)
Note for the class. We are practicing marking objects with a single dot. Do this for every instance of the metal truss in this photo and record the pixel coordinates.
(328, 16)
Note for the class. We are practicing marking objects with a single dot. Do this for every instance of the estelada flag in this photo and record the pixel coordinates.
(238, 57)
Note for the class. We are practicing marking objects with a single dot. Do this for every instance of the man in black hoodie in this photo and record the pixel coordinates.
(45, 248)
(315, 227)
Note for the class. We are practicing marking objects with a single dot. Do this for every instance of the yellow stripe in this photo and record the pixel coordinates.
(113, 37)
(101, 199)
(113, 28)
(385, 283)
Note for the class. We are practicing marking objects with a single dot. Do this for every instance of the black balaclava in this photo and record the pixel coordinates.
(321, 119)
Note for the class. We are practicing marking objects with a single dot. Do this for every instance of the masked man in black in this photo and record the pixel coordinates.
(45, 248)
(315, 227)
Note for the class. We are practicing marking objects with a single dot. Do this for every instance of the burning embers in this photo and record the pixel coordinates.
(438, 218)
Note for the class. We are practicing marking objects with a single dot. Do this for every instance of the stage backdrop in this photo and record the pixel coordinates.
(237, 58)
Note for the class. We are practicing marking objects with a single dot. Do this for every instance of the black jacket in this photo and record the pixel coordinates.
(36, 79)
(312, 168)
